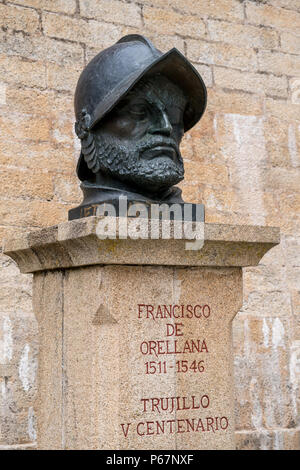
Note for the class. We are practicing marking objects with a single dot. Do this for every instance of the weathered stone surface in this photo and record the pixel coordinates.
(251, 82)
(221, 54)
(234, 102)
(37, 185)
(51, 373)
(62, 78)
(206, 73)
(116, 383)
(79, 30)
(61, 6)
(76, 243)
(18, 18)
(243, 34)
(281, 439)
(18, 358)
(101, 394)
(274, 62)
(227, 9)
(50, 146)
(112, 11)
(173, 23)
(290, 43)
(30, 73)
(89, 392)
(280, 18)
(41, 48)
(262, 344)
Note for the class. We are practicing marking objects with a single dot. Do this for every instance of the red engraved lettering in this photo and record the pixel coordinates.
(125, 431)
(164, 407)
(224, 426)
(200, 425)
(160, 426)
(145, 400)
(152, 348)
(160, 349)
(138, 429)
(195, 310)
(167, 313)
(171, 422)
(189, 309)
(174, 330)
(216, 418)
(142, 347)
(159, 312)
(175, 306)
(180, 428)
(194, 407)
(205, 401)
(186, 347)
(177, 329)
(155, 403)
(140, 311)
(150, 309)
(210, 424)
(206, 311)
(185, 407)
(170, 329)
(150, 431)
(190, 424)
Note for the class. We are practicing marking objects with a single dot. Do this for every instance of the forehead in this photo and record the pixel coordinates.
(159, 89)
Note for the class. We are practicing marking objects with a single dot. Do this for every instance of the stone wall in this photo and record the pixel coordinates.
(241, 160)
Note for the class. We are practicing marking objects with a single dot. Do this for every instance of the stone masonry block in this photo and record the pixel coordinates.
(112, 11)
(228, 55)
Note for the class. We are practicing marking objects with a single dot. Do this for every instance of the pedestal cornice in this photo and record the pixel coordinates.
(75, 243)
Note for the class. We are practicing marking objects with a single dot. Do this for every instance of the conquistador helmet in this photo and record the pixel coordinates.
(112, 73)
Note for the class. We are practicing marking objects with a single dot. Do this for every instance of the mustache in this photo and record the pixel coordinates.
(146, 143)
(155, 141)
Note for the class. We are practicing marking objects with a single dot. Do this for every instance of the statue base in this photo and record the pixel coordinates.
(129, 208)
(135, 335)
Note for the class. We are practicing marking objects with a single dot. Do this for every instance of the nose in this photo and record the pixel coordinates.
(163, 125)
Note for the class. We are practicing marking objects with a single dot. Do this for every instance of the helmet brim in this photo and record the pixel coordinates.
(179, 70)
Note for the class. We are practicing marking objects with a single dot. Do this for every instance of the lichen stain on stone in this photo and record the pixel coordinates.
(268, 387)
(109, 245)
(31, 429)
(177, 291)
(292, 145)
(278, 440)
(27, 369)
(266, 332)
(2, 93)
(6, 343)
(244, 140)
(257, 412)
(294, 370)
(277, 333)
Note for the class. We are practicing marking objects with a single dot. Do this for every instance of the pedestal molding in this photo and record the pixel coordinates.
(75, 243)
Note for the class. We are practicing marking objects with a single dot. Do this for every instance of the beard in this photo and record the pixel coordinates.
(125, 163)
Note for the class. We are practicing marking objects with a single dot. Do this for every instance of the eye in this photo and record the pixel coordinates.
(138, 111)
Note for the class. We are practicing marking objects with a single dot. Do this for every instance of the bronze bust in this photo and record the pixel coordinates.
(133, 104)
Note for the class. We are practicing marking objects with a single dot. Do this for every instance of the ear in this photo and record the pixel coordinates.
(82, 125)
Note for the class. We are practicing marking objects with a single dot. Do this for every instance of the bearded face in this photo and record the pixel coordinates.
(138, 143)
(131, 165)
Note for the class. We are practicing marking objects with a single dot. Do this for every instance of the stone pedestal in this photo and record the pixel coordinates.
(135, 335)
